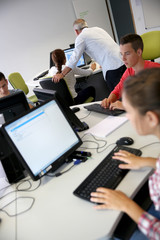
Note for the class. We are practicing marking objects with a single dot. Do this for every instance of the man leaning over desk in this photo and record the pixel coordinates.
(131, 49)
(99, 45)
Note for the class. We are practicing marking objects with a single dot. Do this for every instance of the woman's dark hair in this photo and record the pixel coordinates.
(59, 58)
(143, 90)
(135, 40)
(2, 77)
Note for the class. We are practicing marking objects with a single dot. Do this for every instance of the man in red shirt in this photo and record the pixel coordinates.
(131, 48)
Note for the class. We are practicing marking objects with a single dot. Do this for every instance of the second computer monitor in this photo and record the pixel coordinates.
(68, 52)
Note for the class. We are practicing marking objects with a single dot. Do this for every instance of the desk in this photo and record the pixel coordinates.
(58, 214)
(96, 80)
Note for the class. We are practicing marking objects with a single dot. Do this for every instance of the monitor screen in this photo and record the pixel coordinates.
(13, 105)
(68, 52)
(46, 94)
(42, 139)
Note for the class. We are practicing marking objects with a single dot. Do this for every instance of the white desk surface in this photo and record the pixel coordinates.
(31, 83)
(58, 214)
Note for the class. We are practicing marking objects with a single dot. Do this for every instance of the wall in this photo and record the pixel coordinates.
(146, 13)
(30, 30)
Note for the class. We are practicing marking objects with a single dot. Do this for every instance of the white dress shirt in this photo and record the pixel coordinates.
(99, 45)
(70, 77)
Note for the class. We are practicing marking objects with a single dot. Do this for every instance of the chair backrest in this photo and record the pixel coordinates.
(61, 87)
(151, 41)
(18, 82)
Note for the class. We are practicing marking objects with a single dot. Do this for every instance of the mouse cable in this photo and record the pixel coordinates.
(30, 185)
(85, 116)
(150, 144)
(76, 162)
(97, 141)
(15, 200)
(28, 189)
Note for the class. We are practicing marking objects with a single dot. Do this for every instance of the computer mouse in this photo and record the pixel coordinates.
(75, 109)
(125, 141)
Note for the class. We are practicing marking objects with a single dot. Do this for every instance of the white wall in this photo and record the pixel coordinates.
(150, 11)
(30, 30)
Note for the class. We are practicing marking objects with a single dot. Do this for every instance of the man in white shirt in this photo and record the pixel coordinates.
(99, 45)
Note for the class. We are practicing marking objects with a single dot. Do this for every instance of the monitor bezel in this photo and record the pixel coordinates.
(57, 163)
(12, 99)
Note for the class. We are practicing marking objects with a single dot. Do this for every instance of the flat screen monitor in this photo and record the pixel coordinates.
(68, 52)
(45, 94)
(13, 105)
(42, 138)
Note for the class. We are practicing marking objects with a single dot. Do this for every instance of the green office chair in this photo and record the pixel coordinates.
(18, 82)
(62, 88)
(151, 41)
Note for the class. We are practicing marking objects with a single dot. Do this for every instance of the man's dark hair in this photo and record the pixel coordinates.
(2, 77)
(135, 40)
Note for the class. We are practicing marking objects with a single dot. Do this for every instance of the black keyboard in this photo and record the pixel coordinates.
(97, 108)
(106, 174)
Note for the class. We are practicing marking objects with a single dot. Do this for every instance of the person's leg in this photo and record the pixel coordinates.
(83, 95)
(113, 77)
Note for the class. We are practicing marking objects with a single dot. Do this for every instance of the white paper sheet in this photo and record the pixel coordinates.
(107, 126)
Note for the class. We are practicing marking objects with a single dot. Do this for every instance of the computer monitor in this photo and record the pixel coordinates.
(42, 138)
(45, 94)
(13, 105)
(68, 52)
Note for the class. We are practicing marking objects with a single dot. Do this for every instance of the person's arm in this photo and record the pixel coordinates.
(116, 105)
(61, 75)
(132, 161)
(116, 200)
(107, 101)
(149, 225)
(116, 93)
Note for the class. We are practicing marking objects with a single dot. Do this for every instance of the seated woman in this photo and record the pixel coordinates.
(59, 59)
(141, 100)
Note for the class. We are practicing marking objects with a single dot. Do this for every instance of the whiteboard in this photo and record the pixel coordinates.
(94, 12)
(151, 11)
(146, 15)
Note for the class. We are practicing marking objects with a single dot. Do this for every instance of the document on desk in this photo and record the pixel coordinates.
(106, 126)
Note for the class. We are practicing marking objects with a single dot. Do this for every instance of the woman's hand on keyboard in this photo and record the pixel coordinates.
(109, 199)
(132, 161)
(116, 200)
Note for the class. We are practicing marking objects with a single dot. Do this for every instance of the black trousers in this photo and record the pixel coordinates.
(84, 94)
(113, 77)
